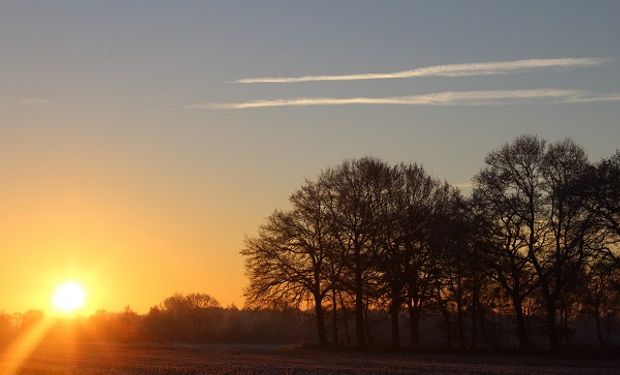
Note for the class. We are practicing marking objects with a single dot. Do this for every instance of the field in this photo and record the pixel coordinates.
(95, 359)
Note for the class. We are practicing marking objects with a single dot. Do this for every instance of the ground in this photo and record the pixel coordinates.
(94, 359)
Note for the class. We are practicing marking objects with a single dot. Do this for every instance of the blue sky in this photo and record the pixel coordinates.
(93, 109)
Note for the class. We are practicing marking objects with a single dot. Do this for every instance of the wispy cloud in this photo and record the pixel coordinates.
(451, 70)
(447, 98)
(613, 97)
(463, 184)
(36, 101)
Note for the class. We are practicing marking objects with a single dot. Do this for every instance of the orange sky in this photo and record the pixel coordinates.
(124, 231)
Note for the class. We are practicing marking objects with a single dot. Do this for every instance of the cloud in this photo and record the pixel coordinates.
(36, 101)
(614, 97)
(463, 185)
(447, 98)
(451, 70)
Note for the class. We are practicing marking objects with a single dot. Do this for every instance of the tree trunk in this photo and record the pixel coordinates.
(474, 313)
(445, 314)
(320, 321)
(334, 317)
(413, 304)
(359, 304)
(524, 340)
(367, 323)
(460, 323)
(345, 319)
(599, 332)
(395, 312)
(414, 325)
(552, 329)
(484, 334)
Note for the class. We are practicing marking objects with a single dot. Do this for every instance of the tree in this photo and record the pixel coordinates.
(354, 190)
(543, 227)
(458, 280)
(601, 297)
(506, 198)
(571, 234)
(423, 199)
(599, 190)
(538, 237)
(289, 259)
(187, 317)
(403, 257)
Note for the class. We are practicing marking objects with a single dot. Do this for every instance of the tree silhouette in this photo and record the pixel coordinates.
(289, 260)
(506, 196)
(538, 238)
(354, 190)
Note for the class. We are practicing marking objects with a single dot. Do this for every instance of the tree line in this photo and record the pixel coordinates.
(536, 240)
(193, 317)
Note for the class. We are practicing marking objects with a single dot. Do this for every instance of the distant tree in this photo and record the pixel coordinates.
(129, 322)
(183, 317)
(7, 326)
(30, 318)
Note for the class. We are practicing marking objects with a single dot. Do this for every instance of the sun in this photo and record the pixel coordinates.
(69, 297)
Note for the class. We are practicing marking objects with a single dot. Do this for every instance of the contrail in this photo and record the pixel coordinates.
(435, 99)
(451, 70)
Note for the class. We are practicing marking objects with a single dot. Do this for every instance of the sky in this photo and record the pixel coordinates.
(140, 141)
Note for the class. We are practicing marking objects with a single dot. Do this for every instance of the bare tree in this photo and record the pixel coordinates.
(571, 234)
(507, 200)
(543, 225)
(289, 260)
(599, 190)
(366, 236)
(354, 190)
(458, 278)
(403, 253)
(424, 198)
(601, 294)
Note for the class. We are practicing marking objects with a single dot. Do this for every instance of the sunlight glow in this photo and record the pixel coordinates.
(69, 297)
(18, 352)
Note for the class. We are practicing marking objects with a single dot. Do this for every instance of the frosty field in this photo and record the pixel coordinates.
(95, 359)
